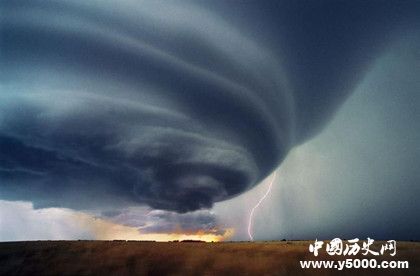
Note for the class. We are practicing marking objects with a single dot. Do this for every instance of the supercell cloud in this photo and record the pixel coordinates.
(173, 105)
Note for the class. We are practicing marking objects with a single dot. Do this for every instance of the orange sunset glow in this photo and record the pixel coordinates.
(107, 230)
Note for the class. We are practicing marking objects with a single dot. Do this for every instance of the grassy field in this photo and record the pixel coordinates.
(180, 258)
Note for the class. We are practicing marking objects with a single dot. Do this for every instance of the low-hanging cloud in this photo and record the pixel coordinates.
(169, 222)
(164, 104)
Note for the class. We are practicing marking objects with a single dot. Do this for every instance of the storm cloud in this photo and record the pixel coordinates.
(169, 222)
(175, 105)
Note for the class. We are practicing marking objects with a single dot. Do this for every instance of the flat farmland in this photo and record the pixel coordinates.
(183, 258)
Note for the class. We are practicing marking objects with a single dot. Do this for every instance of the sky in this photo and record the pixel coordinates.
(157, 120)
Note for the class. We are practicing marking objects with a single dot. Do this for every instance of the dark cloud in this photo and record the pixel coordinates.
(167, 104)
(160, 221)
(359, 177)
(193, 222)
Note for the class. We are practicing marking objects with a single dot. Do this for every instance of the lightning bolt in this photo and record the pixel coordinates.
(251, 215)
